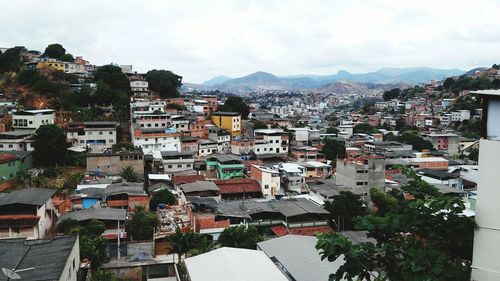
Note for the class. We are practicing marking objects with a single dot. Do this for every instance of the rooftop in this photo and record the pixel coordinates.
(130, 188)
(28, 196)
(96, 213)
(234, 264)
(198, 186)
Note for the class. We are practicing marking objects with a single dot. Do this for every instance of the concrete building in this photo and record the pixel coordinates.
(155, 140)
(230, 121)
(221, 136)
(114, 161)
(271, 141)
(292, 178)
(174, 162)
(16, 141)
(269, 180)
(361, 174)
(226, 166)
(96, 136)
(27, 213)
(242, 146)
(139, 87)
(299, 136)
(11, 164)
(460, 115)
(31, 120)
(445, 142)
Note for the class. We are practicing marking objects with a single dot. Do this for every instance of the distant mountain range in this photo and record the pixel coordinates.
(266, 81)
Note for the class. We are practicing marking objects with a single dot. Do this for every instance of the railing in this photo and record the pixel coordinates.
(306, 224)
(266, 222)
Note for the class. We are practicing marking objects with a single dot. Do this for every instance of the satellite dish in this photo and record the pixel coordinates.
(11, 274)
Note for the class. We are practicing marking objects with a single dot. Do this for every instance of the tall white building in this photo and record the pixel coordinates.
(31, 120)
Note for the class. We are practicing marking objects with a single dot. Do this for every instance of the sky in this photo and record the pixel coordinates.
(202, 39)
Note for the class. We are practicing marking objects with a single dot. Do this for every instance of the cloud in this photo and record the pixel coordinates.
(202, 39)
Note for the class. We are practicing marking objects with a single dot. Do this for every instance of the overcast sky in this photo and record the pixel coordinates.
(202, 39)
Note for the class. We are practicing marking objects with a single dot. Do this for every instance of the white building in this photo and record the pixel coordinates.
(16, 141)
(271, 141)
(139, 87)
(460, 115)
(269, 180)
(96, 136)
(153, 141)
(300, 136)
(31, 120)
(221, 136)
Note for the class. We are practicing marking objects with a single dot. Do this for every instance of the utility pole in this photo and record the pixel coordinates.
(118, 239)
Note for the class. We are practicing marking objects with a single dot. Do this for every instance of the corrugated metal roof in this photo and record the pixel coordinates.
(29, 196)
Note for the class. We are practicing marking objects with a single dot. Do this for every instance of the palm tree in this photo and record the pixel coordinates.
(128, 174)
(240, 237)
(181, 243)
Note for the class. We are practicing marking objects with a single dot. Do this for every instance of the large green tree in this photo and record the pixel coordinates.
(365, 128)
(50, 146)
(424, 237)
(235, 104)
(113, 76)
(54, 51)
(143, 224)
(240, 237)
(11, 59)
(343, 208)
(164, 82)
(162, 196)
(333, 149)
(182, 242)
(128, 174)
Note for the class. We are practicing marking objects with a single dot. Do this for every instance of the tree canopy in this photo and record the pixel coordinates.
(333, 149)
(236, 104)
(143, 224)
(112, 75)
(421, 235)
(344, 208)
(240, 237)
(365, 128)
(50, 146)
(162, 196)
(11, 59)
(54, 51)
(128, 174)
(164, 82)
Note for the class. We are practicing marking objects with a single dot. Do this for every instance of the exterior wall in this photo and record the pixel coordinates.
(361, 177)
(242, 147)
(270, 181)
(205, 150)
(96, 139)
(16, 145)
(46, 221)
(271, 144)
(32, 122)
(9, 170)
(70, 271)
(230, 123)
(113, 164)
(157, 142)
(54, 65)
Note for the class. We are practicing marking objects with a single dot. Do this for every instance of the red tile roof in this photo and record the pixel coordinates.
(307, 231)
(187, 179)
(7, 157)
(231, 186)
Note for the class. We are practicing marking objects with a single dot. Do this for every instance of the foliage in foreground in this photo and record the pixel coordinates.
(420, 235)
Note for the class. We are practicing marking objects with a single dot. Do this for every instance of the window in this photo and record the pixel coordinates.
(169, 166)
(100, 133)
(188, 165)
(179, 166)
(359, 183)
(10, 145)
(266, 186)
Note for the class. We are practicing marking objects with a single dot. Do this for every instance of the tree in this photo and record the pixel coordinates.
(236, 104)
(240, 237)
(383, 202)
(102, 275)
(50, 146)
(113, 76)
(344, 208)
(257, 124)
(68, 58)
(162, 196)
(391, 94)
(417, 142)
(143, 224)
(54, 51)
(181, 243)
(333, 149)
(473, 154)
(11, 59)
(128, 174)
(332, 130)
(176, 106)
(365, 128)
(425, 237)
(164, 82)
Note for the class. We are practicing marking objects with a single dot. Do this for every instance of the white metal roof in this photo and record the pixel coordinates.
(233, 264)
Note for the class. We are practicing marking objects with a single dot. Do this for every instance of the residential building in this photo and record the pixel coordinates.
(95, 136)
(234, 189)
(16, 141)
(269, 180)
(361, 173)
(51, 64)
(205, 189)
(299, 136)
(226, 166)
(460, 115)
(189, 144)
(292, 178)
(139, 88)
(27, 213)
(212, 103)
(273, 141)
(441, 178)
(112, 162)
(307, 153)
(156, 140)
(11, 164)
(201, 267)
(242, 146)
(126, 195)
(207, 147)
(31, 120)
(112, 218)
(316, 169)
(230, 121)
(175, 162)
(221, 136)
(445, 142)
(57, 258)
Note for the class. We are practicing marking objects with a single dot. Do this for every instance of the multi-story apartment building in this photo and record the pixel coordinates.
(153, 140)
(221, 136)
(96, 136)
(242, 146)
(445, 142)
(307, 153)
(271, 141)
(16, 141)
(139, 88)
(361, 173)
(293, 178)
(114, 161)
(230, 121)
(31, 120)
(460, 115)
(269, 180)
(174, 162)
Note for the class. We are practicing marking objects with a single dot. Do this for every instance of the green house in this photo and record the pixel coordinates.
(227, 166)
(11, 163)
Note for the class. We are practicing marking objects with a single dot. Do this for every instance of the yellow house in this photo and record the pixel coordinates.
(230, 121)
(54, 65)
